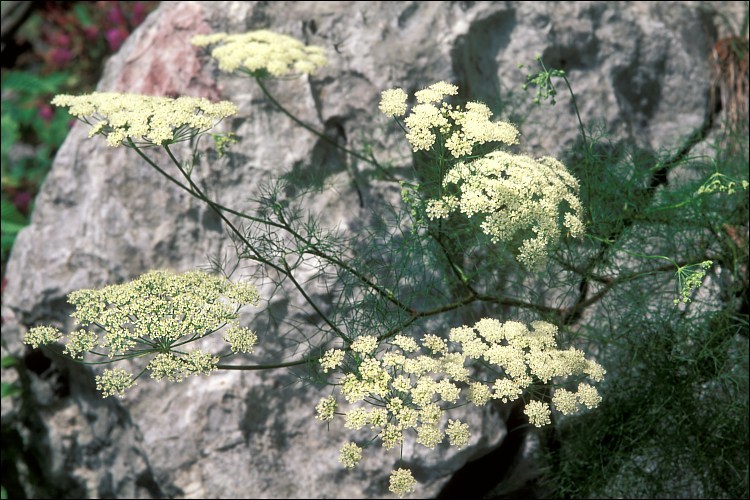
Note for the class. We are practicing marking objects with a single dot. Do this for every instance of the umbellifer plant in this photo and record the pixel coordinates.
(476, 218)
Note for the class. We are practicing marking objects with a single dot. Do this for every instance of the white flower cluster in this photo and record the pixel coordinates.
(262, 51)
(516, 196)
(155, 120)
(461, 129)
(41, 335)
(401, 385)
(155, 314)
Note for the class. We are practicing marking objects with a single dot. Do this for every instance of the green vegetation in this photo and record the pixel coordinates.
(642, 265)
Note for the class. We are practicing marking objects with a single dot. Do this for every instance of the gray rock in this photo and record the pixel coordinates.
(640, 71)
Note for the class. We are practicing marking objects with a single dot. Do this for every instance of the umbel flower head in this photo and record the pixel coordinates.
(461, 128)
(515, 196)
(262, 53)
(156, 315)
(149, 119)
(399, 386)
(401, 482)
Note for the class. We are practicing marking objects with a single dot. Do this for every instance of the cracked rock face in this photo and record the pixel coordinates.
(640, 71)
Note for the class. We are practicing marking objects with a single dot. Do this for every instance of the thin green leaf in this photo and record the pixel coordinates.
(7, 361)
(9, 390)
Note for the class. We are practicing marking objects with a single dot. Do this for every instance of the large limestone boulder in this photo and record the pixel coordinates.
(640, 71)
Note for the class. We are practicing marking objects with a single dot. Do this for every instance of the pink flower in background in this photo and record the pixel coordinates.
(91, 32)
(115, 37)
(139, 13)
(60, 56)
(61, 40)
(46, 112)
(116, 17)
(22, 200)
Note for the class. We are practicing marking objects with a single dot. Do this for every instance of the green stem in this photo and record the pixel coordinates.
(629, 252)
(313, 250)
(286, 271)
(334, 143)
(388, 294)
(199, 195)
(578, 114)
(267, 367)
(473, 297)
(312, 303)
